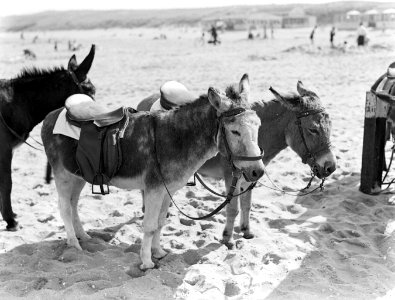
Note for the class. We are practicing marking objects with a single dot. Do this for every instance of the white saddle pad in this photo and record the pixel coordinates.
(65, 128)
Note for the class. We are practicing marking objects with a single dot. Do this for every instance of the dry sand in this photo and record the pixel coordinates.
(336, 244)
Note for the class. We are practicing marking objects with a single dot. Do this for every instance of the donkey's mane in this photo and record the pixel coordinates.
(298, 103)
(38, 72)
(230, 92)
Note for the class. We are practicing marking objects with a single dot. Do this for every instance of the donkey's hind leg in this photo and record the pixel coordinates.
(65, 185)
(153, 202)
(157, 250)
(79, 230)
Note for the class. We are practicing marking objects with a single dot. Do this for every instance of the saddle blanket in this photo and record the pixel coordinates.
(63, 127)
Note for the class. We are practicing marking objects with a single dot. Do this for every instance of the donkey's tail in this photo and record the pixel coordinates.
(48, 174)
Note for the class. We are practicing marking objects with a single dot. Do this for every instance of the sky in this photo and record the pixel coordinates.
(20, 7)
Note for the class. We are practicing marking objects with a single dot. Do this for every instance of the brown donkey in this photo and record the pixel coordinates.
(279, 129)
(161, 150)
(24, 102)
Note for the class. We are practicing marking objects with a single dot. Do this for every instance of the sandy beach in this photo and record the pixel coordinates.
(334, 244)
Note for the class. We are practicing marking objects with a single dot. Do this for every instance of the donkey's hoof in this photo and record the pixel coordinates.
(248, 235)
(74, 243)
(228, 243)
(159, 253)
(12, 225)
(84, 237)
(147, 266)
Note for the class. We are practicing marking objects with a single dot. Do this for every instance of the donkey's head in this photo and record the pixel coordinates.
(308, 134)
(237, 137)
(78, 74)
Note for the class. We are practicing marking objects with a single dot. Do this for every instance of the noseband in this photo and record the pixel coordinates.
(229, 155)
(310, 157)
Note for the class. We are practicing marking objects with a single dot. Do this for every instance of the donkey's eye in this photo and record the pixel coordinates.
(236, 132)
(313, 131)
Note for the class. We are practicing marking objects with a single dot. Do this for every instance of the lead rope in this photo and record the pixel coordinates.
(297, 193)
(17, 135)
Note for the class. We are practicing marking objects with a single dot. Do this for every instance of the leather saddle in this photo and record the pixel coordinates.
(99, 153)
(173, 94)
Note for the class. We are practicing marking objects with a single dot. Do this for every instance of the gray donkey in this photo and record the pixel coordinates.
(161, 151)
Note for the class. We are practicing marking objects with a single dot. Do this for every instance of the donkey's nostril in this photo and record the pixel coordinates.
(256, 174)
(329, 167)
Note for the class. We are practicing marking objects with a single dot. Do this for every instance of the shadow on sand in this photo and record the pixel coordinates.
(352, 247)
(51, 269)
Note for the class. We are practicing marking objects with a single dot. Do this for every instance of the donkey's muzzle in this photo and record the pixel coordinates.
(253, 174)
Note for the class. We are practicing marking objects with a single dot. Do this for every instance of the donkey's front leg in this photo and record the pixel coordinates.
(153, 200)
(232, 210)
(245, 205)
(5, 189)
(157, 250)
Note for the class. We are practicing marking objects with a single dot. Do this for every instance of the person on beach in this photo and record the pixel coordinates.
(312, 35)
(214, 36)
(361, 35)
(332, 36)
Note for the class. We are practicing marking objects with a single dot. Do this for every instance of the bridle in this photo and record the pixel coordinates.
(76, 81)
(310, 157)
(231, 158)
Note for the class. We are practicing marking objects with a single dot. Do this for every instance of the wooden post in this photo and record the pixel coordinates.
(376, 111)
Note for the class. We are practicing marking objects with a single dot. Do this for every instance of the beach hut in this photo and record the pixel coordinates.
(386, 19)
(298, 18)
(349, 21)
(372, 16)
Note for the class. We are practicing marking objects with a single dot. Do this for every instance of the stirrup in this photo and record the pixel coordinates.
(103, 190)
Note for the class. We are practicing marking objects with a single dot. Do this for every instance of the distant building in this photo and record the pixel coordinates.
(376, 18)
(235, 21)
(298, 18)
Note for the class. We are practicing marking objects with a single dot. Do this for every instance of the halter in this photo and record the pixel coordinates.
(310, 157)
(76, 81)
(229, 155)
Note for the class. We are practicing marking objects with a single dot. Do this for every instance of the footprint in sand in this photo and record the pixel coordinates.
(40, 283)
(187, 222)
(176, 245)
(231, 289)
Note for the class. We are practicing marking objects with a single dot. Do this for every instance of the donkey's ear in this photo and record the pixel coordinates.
(303, 91)
(214, 97)
(292, 100)
(218, 100)
(276, 94)
(85, 66)
(72, 65)
(244, 86)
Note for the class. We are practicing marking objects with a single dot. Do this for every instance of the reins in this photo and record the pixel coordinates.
(236, 172)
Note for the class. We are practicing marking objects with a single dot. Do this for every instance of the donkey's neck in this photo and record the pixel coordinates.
(186, 138)
(35, 96)
(275, 118)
